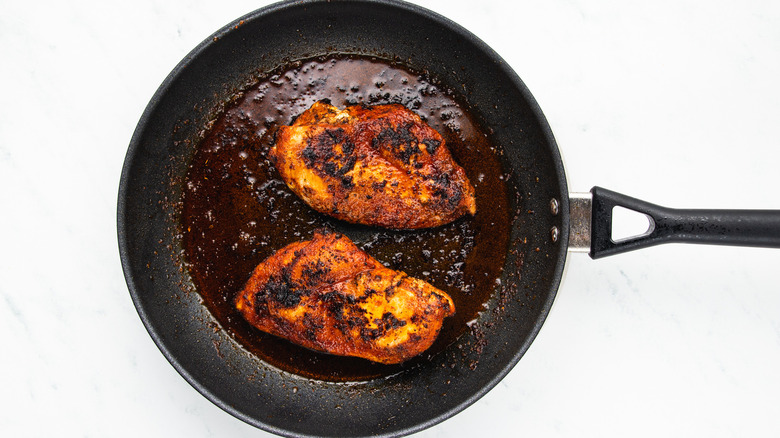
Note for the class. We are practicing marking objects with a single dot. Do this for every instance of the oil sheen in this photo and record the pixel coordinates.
(237, 211)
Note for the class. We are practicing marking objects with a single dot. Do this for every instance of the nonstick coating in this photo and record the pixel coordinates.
(150, 242)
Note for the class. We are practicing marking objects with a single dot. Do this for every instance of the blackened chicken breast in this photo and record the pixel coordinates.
(328, 295)
(374, 165)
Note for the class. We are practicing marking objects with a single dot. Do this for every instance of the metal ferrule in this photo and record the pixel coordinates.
(580, 208)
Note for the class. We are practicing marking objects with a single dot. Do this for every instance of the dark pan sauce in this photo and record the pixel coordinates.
(237, 211)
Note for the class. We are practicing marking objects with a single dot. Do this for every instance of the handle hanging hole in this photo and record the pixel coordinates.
(629, 224)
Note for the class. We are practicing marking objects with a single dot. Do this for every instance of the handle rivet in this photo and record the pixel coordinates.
(554, 206)
(554, 234)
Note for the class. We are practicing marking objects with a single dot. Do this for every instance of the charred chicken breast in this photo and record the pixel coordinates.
(379, 165)
(328, 295)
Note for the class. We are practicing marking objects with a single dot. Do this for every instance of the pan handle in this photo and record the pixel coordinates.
(757, 228)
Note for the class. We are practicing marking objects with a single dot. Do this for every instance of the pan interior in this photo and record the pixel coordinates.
(151, 241)
(237, 211)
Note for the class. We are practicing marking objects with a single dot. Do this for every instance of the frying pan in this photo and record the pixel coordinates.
(552, 223)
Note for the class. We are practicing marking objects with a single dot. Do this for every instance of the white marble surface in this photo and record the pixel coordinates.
(676, 102)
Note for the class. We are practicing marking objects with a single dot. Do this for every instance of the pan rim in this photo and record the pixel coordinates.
(135, 146)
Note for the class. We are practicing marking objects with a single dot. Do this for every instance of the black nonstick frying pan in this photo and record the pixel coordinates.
(552, 223)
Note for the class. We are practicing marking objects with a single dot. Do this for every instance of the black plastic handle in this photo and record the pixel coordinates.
(757, 228)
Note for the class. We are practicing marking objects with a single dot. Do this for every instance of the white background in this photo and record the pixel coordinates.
(674, 101)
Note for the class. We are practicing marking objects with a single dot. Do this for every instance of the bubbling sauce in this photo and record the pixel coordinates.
(237, 211)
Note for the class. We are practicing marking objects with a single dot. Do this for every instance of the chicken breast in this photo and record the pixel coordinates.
(328, 295)
(379, 165)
